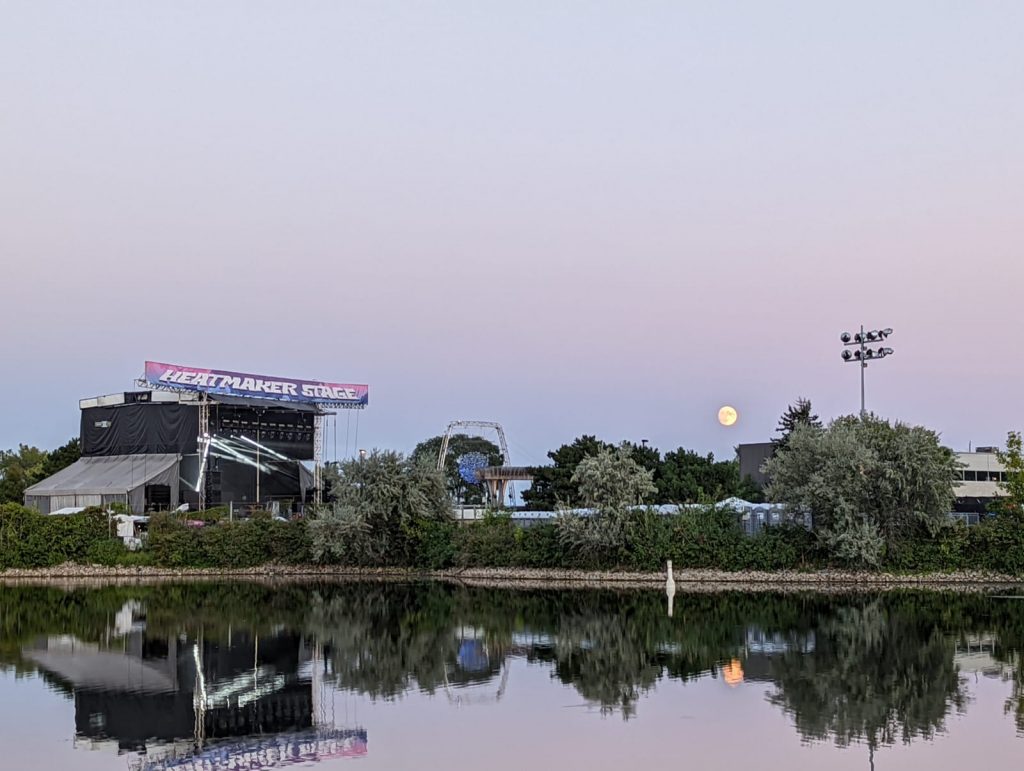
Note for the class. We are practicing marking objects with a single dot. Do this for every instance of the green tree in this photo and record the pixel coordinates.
(381, 505)
(610, 483)
(799, 414)
(688, 477)
(612, 479)
(645, 456)
(20, 469)
(553, 485)
(1013, 463)
(867, 484)
(458, 445)
(62, 457)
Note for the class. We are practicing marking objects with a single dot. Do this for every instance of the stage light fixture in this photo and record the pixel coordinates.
(865, 354)
(239, 457)
(265, 449)
(202, 465)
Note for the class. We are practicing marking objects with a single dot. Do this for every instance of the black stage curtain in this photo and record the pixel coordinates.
(129, 429)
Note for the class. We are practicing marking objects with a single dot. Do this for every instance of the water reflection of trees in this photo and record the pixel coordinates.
(609, 662)
(1009, 646)
(878, 669)
(384, 640)
(879, 672)
(611, 646)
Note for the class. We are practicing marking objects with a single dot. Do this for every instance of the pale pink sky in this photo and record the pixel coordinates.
(570, 217)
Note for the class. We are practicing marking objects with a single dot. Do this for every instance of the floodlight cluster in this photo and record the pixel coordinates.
(861, 352)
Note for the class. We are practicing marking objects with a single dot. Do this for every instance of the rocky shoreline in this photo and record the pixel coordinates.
(685, 580)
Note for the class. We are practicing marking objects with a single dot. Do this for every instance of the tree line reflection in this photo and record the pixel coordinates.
(878, 669)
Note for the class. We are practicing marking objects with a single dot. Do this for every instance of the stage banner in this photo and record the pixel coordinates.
(215, 381)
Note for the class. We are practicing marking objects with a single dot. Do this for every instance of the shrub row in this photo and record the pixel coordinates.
(707, 539)
(29, 539)
(710, 540)
(259, 541)
(714, 540)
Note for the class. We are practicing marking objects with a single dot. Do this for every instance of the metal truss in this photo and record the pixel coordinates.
(318, 458)
(496, 427)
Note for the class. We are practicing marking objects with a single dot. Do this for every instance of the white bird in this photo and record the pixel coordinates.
(670, 586)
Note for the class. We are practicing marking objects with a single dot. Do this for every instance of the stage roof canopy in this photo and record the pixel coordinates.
(87, 667)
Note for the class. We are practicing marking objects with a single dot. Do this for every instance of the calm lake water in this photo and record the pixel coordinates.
(432, 676)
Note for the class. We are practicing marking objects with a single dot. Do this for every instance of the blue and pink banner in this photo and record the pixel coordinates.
(215, 381)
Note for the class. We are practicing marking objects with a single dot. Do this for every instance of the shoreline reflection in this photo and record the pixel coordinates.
(210, 675)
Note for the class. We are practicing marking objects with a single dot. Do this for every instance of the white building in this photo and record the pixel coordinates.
(980, 477)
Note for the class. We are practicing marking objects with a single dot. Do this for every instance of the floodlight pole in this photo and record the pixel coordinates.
(863, 354)
(863, 366)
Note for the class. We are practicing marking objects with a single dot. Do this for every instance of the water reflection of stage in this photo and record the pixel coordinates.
(187, 701)
(257, 752)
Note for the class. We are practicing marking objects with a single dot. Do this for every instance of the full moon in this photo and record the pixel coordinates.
(727, 415)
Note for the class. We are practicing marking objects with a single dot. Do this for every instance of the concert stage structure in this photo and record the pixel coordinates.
(203, 438)
(184, 702)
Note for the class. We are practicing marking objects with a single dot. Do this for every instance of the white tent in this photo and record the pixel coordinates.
(102, 480)
(85, 666)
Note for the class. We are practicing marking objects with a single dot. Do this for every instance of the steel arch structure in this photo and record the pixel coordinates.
(496, 427)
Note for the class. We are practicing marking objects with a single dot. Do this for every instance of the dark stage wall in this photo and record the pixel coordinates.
(162, 427)
(132, 429)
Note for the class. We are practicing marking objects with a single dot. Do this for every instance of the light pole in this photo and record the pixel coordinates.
(863, 354)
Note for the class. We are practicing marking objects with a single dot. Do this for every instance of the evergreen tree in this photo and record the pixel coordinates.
(799, 414)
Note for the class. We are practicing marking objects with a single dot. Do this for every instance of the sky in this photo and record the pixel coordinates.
(606, 217)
